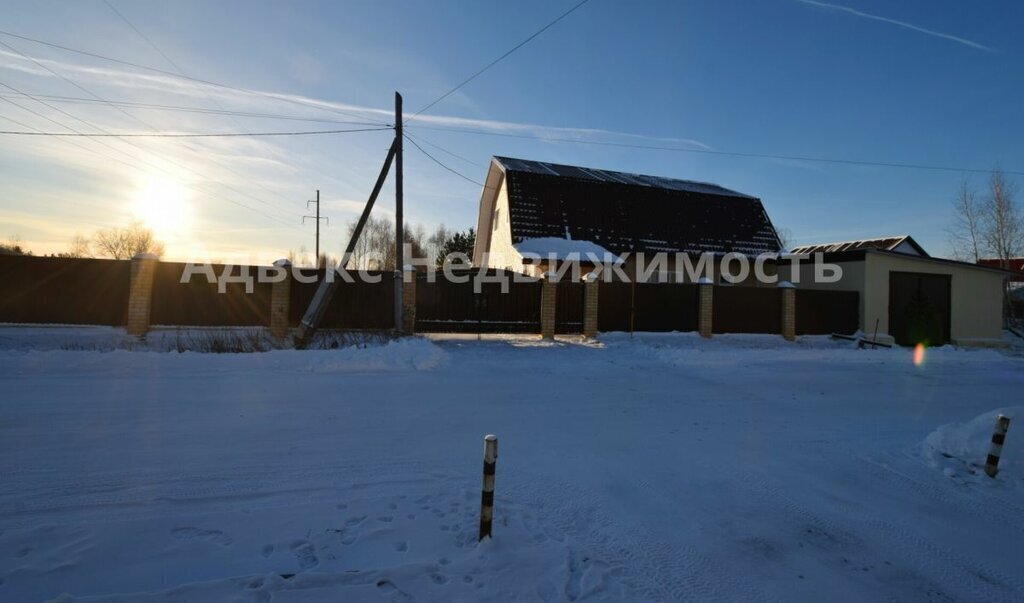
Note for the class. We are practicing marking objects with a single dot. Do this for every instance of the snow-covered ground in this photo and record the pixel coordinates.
(653, 468)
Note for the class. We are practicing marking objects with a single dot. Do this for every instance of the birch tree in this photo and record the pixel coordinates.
(965, 233)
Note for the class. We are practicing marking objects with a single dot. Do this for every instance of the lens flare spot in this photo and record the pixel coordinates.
(919, 354)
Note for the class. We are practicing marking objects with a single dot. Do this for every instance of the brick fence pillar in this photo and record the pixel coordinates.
(140, 293)
(705, 306)
(280, 299)
(547, 306)
(590, 287)
(788, 310)
(409, 300)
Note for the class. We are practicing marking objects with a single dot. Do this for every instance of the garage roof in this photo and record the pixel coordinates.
(900, 244)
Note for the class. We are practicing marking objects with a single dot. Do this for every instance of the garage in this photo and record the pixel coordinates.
(907, 296)
(919, 308)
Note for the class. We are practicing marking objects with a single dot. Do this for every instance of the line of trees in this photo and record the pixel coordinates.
(116, 242)
(989, 225)
(375, 249)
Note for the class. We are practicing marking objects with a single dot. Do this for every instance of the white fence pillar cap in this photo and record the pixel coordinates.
(590, 277)
(705, 281)
(409, 268)
(283, 263)
(786, 285)
(145, 256)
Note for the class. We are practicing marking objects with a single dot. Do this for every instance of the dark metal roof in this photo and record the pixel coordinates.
(883, 244)
(632, 212)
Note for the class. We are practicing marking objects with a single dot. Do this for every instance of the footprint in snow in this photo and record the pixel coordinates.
(305, 554)
(212, 536)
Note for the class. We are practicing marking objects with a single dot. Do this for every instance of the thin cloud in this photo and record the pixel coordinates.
(264, 100)
(904, 24)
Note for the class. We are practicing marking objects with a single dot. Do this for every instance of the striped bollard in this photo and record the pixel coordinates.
(998, 436)
(487, 492)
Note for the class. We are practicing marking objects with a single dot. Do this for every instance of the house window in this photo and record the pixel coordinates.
(497, 216)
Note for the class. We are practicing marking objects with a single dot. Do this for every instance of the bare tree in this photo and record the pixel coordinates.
(1003, 224)
(436, 241)
(375, 249)
(966, 231)
(785, 236)
(80, 247)
(122, 243)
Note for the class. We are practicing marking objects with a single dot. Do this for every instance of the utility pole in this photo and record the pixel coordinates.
(317, 218)
(399, 238)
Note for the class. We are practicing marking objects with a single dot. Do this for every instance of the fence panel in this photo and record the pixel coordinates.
(747, 310)
(614, 307)
(569, 307)
(356, 305)
(821, 312)
(64, 290)
(654, 307)
(451, 307)
(199, 303)
(661, 307)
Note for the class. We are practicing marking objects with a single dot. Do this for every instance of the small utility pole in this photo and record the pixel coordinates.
(317, 218)
(399, 238)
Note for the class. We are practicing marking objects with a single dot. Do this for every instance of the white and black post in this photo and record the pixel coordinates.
(998, 437)
(487, 492)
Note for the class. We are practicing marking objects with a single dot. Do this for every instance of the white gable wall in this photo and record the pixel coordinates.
(501, 253)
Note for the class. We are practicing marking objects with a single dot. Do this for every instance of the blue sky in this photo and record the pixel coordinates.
(924, 82)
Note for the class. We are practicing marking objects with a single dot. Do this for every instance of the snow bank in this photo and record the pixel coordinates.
(959, 449)
(563, 249)
(402, 354)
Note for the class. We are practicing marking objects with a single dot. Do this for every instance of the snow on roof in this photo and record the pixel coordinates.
(564, 249)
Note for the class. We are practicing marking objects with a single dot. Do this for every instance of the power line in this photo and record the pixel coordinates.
(131, 165)
(913, 166)
(501, 58)
(189, 135)
(166, 58)
(277, 97)
(135, 118)
(445, 151)
(203, 110)
(442, 164)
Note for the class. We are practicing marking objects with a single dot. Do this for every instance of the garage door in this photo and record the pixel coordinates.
(919, 308)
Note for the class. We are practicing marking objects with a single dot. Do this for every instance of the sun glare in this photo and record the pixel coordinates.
(163, 205)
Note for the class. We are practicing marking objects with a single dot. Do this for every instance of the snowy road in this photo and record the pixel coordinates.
(662, 468)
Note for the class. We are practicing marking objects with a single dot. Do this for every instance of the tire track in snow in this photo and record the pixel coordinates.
(658, 570)
(937, 562)
(953, 498)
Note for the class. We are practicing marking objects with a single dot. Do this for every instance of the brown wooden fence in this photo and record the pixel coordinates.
(90, 291)
(453, 307)
(657, 307)
(821, 312)
(569, 308)
(63, 290)
(198, 302)
(356, 305)
(747, 310)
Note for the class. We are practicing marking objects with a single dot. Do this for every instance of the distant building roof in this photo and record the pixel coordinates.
(632, 212)
(899, 244)
(1015, 265)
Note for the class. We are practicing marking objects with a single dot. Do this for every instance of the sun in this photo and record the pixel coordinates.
(162, 204)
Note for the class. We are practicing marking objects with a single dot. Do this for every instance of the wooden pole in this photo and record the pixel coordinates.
(487, 491)
(324, 293)
(996, 448)
(399, 226)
